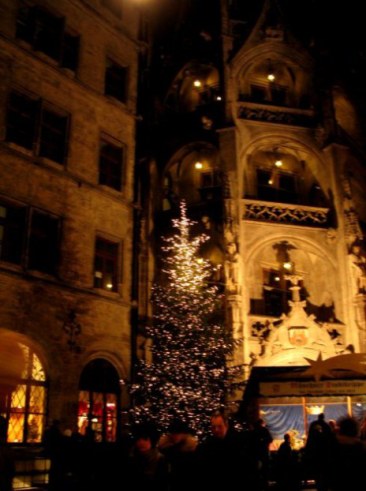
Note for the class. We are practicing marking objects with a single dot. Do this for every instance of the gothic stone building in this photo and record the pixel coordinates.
(265, 147)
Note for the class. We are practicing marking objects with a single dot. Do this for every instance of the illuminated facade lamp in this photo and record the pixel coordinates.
(198, 165)
(287, 265)
(197, 83)
(271, 77)
(278, 163)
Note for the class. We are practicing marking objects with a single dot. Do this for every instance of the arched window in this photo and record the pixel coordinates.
(25, 404)
(99, 395)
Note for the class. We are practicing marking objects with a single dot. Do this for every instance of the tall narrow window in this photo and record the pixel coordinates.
(52, 138)
(106, 264)
(110, 165)
(99, 401)
(70, 51)
(43, 243)
(116, 81)
(21, 121)
(276, 293)
(26, 407)
(12, 232)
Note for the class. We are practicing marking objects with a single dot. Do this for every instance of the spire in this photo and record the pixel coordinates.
(270, 24)
(273, 22)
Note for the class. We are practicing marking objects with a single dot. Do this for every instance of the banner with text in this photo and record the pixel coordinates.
(328, 387)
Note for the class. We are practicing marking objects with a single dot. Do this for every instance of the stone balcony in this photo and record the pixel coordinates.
(269, 113)
(285, 213)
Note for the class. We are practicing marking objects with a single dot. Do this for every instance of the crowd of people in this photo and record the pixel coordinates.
(334, 457)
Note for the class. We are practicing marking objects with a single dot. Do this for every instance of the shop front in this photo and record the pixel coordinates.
(288, 399)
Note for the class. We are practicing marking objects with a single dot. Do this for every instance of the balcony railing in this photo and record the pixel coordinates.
(265, 211)
(275, 114)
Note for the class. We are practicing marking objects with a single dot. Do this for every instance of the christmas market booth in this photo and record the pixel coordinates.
(288, 399)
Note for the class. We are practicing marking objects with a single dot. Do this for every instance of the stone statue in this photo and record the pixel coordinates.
(232, 267)
(357, 261)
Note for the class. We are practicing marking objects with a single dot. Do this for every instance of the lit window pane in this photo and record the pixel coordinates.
(37, 369)
(35, 428)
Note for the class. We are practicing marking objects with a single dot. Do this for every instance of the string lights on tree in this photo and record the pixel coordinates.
(189, 375)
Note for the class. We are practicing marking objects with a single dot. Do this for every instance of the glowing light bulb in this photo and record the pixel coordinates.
(278, 163)
(197, 83)
(198, 165)
(271, 77)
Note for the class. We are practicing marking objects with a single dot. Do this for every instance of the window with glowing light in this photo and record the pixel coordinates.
(26, 406)
(276, 292)
(99, 394)
(106, 264)
(277, 186)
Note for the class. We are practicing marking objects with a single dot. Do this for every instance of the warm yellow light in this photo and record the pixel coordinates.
(271, 77)
(218, 98)
(278, 163)
(198, 165)
(287, 265)
(270, 182)
(197, 83)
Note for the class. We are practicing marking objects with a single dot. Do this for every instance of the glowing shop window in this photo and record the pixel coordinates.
(26, 410)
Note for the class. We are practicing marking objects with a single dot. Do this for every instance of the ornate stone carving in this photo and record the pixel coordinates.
(282, 117)
(285, 213)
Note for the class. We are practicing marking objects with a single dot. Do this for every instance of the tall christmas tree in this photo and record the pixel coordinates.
(188, 376)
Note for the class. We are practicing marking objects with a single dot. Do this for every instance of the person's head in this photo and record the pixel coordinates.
(333, 425)
(145, 437)
(143, 443)
(178, 430)
(287, 437)
(219, 425)
(348, 426)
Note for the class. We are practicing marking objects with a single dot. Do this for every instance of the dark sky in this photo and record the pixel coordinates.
(337, 31)
(333, 30)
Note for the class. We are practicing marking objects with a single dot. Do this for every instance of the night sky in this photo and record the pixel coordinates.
(334, 32)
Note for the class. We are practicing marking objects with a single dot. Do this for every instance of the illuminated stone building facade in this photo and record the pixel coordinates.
(267, 152)
(68, 112)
